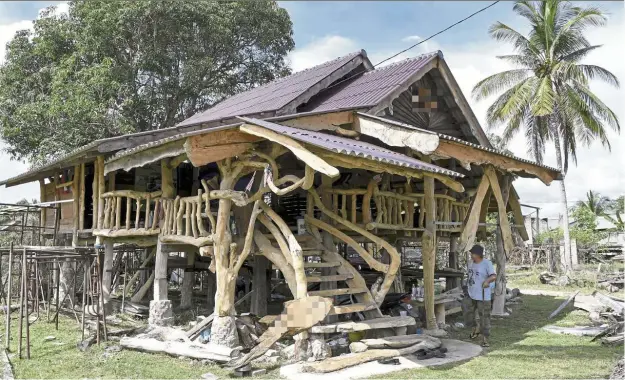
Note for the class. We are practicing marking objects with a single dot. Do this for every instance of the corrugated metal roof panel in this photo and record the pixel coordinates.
(271, 96)
(351, 147)
(373, 86)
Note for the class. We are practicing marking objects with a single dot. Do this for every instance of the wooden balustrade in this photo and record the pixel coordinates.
(184, 220)
(400, 209)
(128, 213)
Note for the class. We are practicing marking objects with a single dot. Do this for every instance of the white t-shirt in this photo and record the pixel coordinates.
(478, 273)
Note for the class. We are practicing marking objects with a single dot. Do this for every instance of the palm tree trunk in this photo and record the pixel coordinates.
(568, 260)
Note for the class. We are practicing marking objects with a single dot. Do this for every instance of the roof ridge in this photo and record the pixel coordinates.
(410, 59)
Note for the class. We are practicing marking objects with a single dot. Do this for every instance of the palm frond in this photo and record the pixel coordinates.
(597, 106)
(520, 60)
(598, 72)
(544, 97)
(502, 32)
(578, 54)
(497, 82)
(512, 101)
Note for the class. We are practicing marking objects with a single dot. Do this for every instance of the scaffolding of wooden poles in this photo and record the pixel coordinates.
(33, 279)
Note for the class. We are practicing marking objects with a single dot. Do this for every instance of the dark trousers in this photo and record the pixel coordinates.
(470, 307)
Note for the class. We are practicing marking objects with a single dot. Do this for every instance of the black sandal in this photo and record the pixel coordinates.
(485, 344)
(474, 335)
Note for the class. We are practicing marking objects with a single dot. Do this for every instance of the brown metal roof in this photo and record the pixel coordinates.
(371, 87)
(351, 147)
(274, 95)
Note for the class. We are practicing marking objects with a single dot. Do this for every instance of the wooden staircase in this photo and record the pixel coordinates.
(350, 282)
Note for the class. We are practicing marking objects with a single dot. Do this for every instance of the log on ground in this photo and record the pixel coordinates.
(210, 351)
(346, 361)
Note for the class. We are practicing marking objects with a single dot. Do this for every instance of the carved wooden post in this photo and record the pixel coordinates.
(101, 190)
(81, 192)
(428, 250)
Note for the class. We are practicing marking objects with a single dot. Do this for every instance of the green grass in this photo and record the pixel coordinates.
(585, 277)
(521, 349)
(61, 359)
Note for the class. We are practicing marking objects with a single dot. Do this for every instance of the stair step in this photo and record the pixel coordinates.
(312, 252)
(331, 264)
(371, 324)
(353, 308)
(335, 277)
(337, 292)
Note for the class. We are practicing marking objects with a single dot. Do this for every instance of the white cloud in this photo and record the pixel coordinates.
(410, 38)
(320, 51)
(597, 169)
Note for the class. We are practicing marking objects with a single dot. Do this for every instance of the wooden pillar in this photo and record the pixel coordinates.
(211, 289)
(328, 241)
(428, 249)
(107, 273)
(76, 204)
(453, 282)
(499, 299)
(101, 190)
(259, 285)
(167, 179)
(81, 197)
(186, 290)
(42, 198)
(160, 274)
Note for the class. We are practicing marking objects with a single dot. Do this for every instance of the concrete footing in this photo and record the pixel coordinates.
(161, 313)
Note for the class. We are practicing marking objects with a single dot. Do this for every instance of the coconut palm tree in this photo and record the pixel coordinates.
(547, 94)
(595, 202)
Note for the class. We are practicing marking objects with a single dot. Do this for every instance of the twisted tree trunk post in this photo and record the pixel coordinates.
(499, 301)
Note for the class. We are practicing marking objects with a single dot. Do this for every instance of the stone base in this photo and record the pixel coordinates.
(224, 332)
(161, 313)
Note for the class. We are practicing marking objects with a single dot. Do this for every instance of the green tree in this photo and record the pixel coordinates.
(112, 67)
(595, 202)
(615, 210)
(547, 94)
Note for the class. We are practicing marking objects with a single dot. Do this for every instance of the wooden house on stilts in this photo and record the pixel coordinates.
(367, 158)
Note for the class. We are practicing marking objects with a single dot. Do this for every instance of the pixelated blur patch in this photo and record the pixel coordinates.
(304, 313)
(423, 100)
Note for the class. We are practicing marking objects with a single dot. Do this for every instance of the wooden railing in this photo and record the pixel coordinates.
(129, 213)
(399, 209)
(184, 220)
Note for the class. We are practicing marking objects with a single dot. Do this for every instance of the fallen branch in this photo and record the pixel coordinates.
(563, 305)
(345, 361)
(207, 351)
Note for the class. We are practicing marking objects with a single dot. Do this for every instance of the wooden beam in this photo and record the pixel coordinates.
(326, 121)
(468, 155)
(424, 142)
(515, 205)
(504, 224)
(467, 237)
(300, 152)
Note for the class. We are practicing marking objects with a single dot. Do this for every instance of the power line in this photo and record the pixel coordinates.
(420, 42)
(436, 34)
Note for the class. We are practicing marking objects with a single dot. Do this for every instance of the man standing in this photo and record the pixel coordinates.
(480, 276)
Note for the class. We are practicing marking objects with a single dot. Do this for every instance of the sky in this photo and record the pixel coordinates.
(326, 30)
